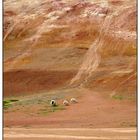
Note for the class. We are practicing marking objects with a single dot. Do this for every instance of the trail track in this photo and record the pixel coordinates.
(70, 133)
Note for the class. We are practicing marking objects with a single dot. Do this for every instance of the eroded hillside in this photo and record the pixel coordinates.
(52, 44)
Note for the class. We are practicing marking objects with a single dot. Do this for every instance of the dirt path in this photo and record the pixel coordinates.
(70, 133)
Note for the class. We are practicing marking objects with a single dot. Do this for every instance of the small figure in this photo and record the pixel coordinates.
(66, 103)
(73, 100)
(53, 103)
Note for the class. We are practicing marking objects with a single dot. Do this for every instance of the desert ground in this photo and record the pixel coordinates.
(63, 49)
(72, 134)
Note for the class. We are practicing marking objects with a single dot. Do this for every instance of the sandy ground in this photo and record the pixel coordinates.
(92, 110)
(70, 133)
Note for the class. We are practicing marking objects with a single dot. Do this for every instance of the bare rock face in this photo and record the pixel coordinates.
(95, 39)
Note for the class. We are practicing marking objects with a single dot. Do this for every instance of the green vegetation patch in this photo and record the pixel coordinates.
(8, 103)
(51, 109)
(123, 97)
(118, 97)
